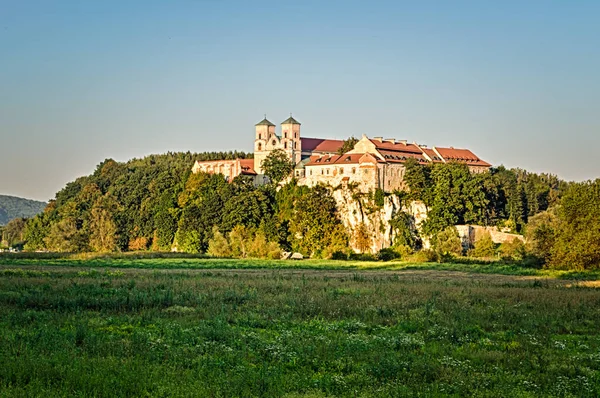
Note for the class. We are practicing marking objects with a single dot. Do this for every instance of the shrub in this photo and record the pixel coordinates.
(423, 256)
(387, 254)
(139, 243)
(339, 255)
(218, 245)
(362, 257)
(484, 247)
(447, 243)
(513, 250)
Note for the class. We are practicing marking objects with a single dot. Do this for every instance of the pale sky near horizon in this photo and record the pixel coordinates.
(516, 82)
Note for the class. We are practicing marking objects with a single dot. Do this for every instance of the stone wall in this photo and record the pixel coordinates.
(471, 233)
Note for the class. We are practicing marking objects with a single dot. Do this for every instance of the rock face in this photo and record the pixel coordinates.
(359, 211)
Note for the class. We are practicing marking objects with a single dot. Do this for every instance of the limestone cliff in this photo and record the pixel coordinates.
(360, 211)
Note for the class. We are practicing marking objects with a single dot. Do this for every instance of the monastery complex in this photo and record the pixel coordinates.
(373, 163)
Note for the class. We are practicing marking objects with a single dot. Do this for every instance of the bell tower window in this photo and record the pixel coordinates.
(259, 146)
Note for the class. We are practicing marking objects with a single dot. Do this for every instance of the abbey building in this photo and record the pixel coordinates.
(372, 163)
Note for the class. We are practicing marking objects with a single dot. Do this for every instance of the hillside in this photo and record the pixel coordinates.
(13, 207)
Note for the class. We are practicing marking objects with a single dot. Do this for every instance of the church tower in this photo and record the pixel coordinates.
(290, 139)
(265, 137)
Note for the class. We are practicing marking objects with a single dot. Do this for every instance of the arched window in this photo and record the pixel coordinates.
(354, 170)
(285, 134)
(259, 146)
(274, 142)
(259, 136)
(285, 145)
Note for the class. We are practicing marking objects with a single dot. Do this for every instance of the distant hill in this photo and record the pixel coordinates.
(12, 207)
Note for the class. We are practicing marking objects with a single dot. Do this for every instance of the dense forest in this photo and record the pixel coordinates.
(156, 203)
(12, 207)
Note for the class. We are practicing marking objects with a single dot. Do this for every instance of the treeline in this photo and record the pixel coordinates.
(560, 220)
(502, 197)
(156, 203)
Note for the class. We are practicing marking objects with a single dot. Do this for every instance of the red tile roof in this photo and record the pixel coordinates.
(397, 146)
(435, 158)
(320, 145)
(337, 159)
(461, 155)
(403, 156)
(247, 166)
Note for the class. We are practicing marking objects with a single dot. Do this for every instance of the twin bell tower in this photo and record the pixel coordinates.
(267, 140)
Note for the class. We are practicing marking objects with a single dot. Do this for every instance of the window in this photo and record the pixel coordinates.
(285, 145)
(285, 134)
(310, 172)
(274, 142)
(341, 170)
(327, 171)
(321, 171)
(295, 135)
(259, 146)
(354, 170)
(260, 136)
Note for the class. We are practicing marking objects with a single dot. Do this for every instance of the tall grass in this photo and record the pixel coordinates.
(293, 332)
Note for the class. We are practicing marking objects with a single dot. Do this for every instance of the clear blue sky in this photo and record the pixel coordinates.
(517, 82)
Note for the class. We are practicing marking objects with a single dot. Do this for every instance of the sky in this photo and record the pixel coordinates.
(516, 82)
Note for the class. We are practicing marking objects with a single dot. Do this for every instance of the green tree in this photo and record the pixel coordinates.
(314, 221)
(103, 237)
(447, 243)
(484, 247)
(61, 236)
(577, 233)
(277, 166)
(218, 246)
(347, 145)
(14, 232)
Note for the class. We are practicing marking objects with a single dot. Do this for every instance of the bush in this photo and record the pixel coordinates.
(218, 245)
(362, 257)
(387, 254)
(339, 255)
(484, 247)
(513, 250)
(447, 243)
(423, 256)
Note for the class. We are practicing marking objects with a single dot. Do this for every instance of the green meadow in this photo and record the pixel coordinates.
(183, 326)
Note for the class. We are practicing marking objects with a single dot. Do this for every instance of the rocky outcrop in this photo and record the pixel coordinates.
(360, 212)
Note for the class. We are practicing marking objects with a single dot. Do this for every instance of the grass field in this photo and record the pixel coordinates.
(201, 327)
